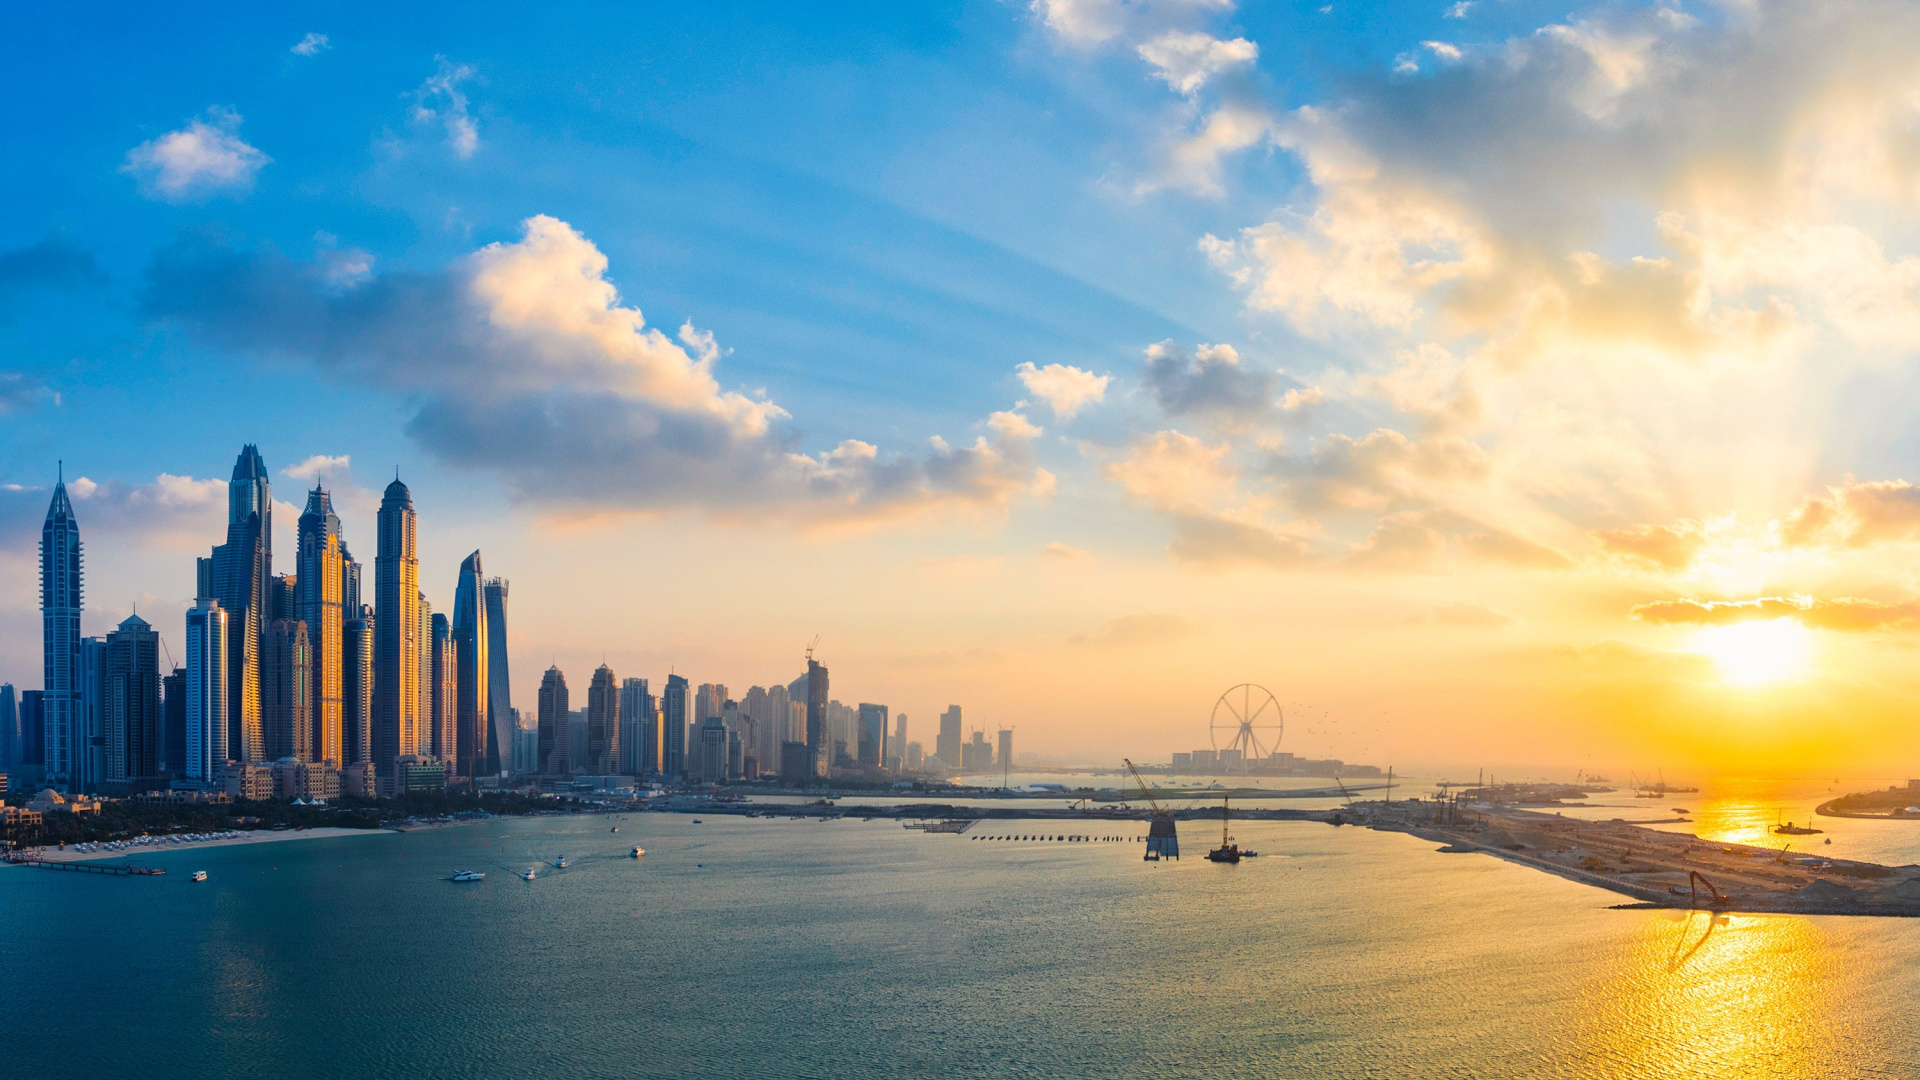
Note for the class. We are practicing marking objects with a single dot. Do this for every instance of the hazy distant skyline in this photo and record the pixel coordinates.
(1501, 382)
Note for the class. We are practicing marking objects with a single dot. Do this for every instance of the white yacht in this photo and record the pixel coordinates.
(636, 853)
(528, 876)
(469, 875)
(199, 875)
(560, 863)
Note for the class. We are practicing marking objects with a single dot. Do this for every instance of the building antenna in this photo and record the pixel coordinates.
(61, 465)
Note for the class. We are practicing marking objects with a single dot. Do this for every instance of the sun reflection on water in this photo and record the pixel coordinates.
(1720, 996)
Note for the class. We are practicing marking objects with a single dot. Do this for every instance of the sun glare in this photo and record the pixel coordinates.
(1751, 653)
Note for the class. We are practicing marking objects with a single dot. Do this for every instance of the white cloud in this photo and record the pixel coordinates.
(1093, 22)
(311, 45)
(441, 101)
(1186, 60)
(205, 158)
(1459, 10)
(1443, 50)
(1065, 389)
(321, 466)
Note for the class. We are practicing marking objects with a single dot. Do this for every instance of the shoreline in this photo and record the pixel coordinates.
(264, 836)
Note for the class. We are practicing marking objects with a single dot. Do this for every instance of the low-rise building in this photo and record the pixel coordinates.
(248, 781)
(50, 801)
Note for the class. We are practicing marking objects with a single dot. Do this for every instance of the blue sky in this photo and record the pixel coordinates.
(1040, 333)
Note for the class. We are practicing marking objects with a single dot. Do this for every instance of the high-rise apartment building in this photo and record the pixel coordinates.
(556, 735)
(1004, 758)
(10, 741)
(443, 687)
(639, 729)
(60, 596)
(132, 722)
(713, 750)
(206, 742)
(897, 748)
(499, 719)
(239, 575)
(319, 600)
(396, 631)
(710, 701)
(286, 691)
(871, 740)
(470, 645)
(356, 688)
(603, 723)
(673, 726)
(816, 698)
(173, 711)
(89, 760)
(946, 746)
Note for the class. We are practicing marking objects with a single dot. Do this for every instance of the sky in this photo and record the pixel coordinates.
(1500, 383)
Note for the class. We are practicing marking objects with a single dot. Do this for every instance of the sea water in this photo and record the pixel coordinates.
(774, 947)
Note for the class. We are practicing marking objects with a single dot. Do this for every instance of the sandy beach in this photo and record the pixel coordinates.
(262, 836)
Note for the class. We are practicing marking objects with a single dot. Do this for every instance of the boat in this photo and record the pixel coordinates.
(696, 821)
(1790, 829)
(560, 863)
(616, 828)
(1228, 851)
(528, 876)
(198, 875)
(636, 853)
(469, 875)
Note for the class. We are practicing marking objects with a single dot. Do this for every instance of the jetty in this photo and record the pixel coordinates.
(108, 869)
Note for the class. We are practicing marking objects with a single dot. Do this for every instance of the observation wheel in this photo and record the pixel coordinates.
(1247, 719)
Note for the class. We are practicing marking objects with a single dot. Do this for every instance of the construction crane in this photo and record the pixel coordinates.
(1162, 840)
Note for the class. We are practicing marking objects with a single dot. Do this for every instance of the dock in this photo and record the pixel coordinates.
(109, 869)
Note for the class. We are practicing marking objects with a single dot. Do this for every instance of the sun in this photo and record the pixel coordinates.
(1752, 653)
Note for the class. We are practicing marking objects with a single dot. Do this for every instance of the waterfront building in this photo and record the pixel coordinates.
(396, 630)
(90, 718)
(238, 575)
(556, 735)
(60, 601)
(1004, 758)
(946, 746)
(871, 738)
(248, 780)
(33, 733)
(205, 753)
(713, 750)
(412, 772)
(286, 691)
(757, 707)
(526, 746)
(897, 746)
(423, 662)
(131, 722)
(603, 724)
(916, 757)
(816, 699)
(780, 709)
(470, 644)
(673, 726)
(356, 687)
(577, 740)
(173, 711)
(10, 741)
(319, 601)
(443, 687)
(499, 718)
(796, 761)
(639, 730)
(736, 756)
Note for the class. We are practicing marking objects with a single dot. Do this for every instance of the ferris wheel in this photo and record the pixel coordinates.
(1247, 719)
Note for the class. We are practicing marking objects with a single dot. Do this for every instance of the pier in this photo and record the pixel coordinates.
(79, 867)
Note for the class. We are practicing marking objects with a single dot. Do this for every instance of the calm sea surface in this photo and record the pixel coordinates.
(777, 948)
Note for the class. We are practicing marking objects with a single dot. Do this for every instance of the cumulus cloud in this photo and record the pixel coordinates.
(440, 102)
(1856, 514)
(1417, 541)
(1663, 547)
(203, 159)
(1379, 470)
(1186, 60)
(311, 45)
(1087, 23)
(175, 512)
(1065, 389)
(1840, 613)
(1173, 471)
(523, 359)
(20, 391)
(1226, 540)
(1211, 383)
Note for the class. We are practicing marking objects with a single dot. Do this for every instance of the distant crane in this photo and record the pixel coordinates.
(1162, 840)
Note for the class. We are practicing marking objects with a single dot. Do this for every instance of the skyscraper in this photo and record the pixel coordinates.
(639, 729)
(898, 747)
(319, 601)
(556, 735)
(396, 631)
(444, 684)
(89, 723)
(173, 705)
(131, 722)
(603, 724)
(238, 576)
(947, 746)
(206, 750)
(673, 726)
(356, 688)
(872, 739)
(10, 742)
(709, 701)
(1004, 758)
(60, 629)
(471, 697)
(713, 750)
(286, 691)
(817, 714)
(499, 717)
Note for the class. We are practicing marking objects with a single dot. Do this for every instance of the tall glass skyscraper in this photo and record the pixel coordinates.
(238, 576)
(603, 724)
(556, 735)
(320, 603)
(639, 729)
(396, 631)
(500, 726)
(673, 726)
(60, 626)
(471, 699)
(131, 718)
(206, 751)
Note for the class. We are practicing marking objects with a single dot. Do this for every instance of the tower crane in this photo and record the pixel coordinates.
(1162, 839)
